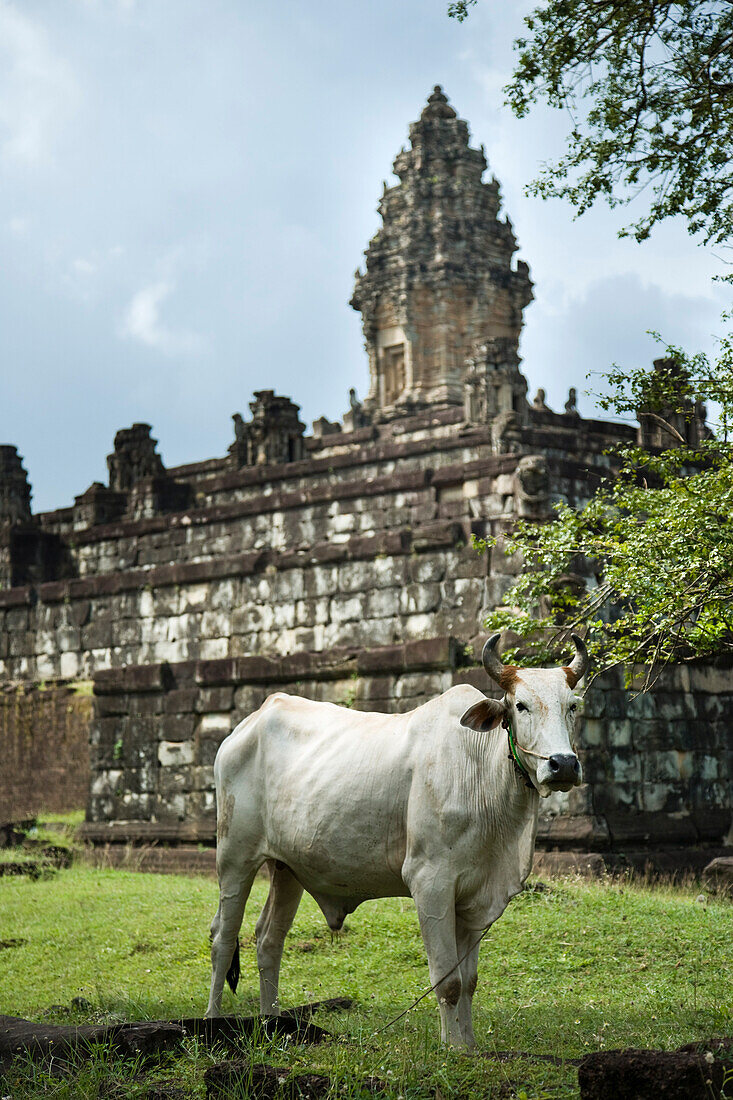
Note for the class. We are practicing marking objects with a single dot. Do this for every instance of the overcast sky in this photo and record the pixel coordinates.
(186, 188)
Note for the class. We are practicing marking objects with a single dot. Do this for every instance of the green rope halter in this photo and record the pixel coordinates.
(513, 749)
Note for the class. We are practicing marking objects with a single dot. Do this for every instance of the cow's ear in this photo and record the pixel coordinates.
(484, 715)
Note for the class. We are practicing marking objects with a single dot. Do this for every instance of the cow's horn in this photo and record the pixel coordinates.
(492, 664)
(579, 664)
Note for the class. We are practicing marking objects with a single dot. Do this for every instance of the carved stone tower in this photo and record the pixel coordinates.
(439, 282)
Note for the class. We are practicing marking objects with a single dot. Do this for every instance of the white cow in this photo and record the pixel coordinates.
(439, 804)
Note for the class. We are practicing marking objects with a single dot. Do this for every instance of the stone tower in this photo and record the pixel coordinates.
(439, 287)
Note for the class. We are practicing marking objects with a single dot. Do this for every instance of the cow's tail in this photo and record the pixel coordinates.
(233, 971)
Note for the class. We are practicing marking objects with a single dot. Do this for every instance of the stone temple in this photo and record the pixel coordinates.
(338, 564)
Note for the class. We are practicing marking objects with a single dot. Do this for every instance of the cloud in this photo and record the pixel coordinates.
(17, 226)
(142, 322)
(38, 90)
(81, 266)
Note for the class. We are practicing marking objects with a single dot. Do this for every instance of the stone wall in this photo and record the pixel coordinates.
(659, 767)
(342, 576)
(44, 748)
(367, 541)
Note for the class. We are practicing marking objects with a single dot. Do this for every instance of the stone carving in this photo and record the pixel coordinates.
(571, 405)
(133, 458)
(688, 424)
(439, 277)
(476, 395)
(274, 434)
(98, 505)
(539, 403)
(138, 477)
(506, 434)
(493, 383)
(239, 451)
(532, 487)
(15, 492)
(241, 434)
(357, 416)
(323, 426)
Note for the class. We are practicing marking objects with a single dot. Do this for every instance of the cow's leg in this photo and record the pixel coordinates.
(437, 916)
(273, 926)
(235, 883)
(467, 942)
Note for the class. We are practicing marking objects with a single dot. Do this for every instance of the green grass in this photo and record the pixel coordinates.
(580, 966)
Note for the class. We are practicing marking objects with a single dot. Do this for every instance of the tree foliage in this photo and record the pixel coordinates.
(647, 564)
(649, 87)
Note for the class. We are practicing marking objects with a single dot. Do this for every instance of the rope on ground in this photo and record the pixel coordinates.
(433, 987)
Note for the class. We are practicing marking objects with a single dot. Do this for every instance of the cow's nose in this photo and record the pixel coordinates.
(564, 768)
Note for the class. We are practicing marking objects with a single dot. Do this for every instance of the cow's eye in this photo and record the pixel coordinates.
(521, 706)
(572, 708)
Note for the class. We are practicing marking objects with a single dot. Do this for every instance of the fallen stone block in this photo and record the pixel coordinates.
(695, 1072)
(13, 833)
(718, 875)
(63, 1043)
(229, 1031)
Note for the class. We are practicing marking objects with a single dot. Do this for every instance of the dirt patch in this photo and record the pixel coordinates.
(694, 1072)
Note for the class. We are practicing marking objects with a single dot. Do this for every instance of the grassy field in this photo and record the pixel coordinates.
(571, 967)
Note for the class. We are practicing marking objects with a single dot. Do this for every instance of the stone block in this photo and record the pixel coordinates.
(175, 780)
(69, 666)
(718, 875)
(620, 733)
(200, 806)
(641, 708)
(712, 824)
(224, 595)
(346, 609)
(173, 754)
(143, 705)
(106, 782)
(208, 748)
(418, 687)
(140, 778)
(194, 597)
(17, 619)
(215, 624)
(212, 724)
(214, 699)
(47, 667)
(666, 829)
(181, 701)
(169, 809)
(616, 705)
(249, 698)
(383, 603)
(419, 598)
(692, 1073)
(153, 631)
(134, 806)
(575, 831)
(177, 727)
(707, 678)
(496, 588)
(21, 643)
(426, 569)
